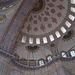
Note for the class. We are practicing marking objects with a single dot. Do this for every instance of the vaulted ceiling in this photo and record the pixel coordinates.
(32, 30)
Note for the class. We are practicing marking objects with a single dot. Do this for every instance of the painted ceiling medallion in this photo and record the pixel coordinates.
(32, 48)
(39, 5)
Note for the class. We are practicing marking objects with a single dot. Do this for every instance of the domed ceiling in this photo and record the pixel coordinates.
(37, 23)
(46, 16)
(48, 20)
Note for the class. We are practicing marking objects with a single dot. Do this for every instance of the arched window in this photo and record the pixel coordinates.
(23, 39)
(63, 29)
(30, 40)
(41, 62)
(57, 34)
(4, 8)
(71, 17)
(49, 58)
(73, 9)
(23, 61)
(37, 40)
(10, 6)
(68, 24)
(72, 53)
(45, 40)
(73, 1)
(64, 54)
(51, 37)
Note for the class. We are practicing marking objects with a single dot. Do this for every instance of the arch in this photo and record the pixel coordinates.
(73, 9)
(63, 29)
(68, 24)
(71, 17)
(57, 34)
(23, 39)
(72, 1)
(45, 40)
(37, 40)
(41, 62)
(72, 53)
(51, 37)
(30, 40)
(49, 58)
(63, 54)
